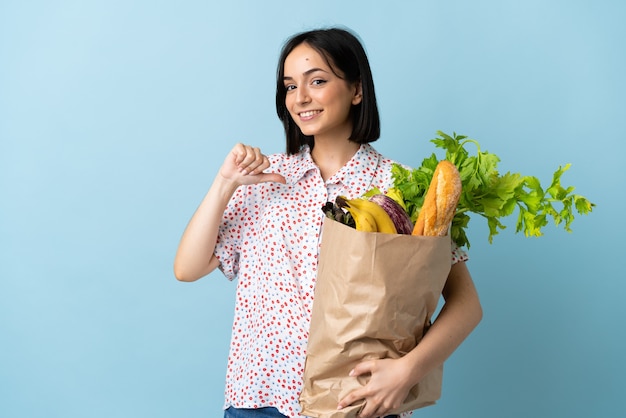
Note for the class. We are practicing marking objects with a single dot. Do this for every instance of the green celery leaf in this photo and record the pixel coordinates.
(583, 206)
(489, 194)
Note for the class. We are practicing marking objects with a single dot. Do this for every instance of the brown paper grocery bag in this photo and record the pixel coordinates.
(374, 298)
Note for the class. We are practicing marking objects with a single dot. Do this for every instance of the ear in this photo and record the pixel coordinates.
(358, 93)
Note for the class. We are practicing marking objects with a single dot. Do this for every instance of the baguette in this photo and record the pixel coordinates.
(440, 202)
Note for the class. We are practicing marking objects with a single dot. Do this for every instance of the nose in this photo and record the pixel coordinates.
(302, 95)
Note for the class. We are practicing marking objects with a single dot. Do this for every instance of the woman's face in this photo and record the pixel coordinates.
(318, 100)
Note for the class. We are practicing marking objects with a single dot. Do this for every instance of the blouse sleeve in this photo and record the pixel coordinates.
(458, 254)
(228, 246)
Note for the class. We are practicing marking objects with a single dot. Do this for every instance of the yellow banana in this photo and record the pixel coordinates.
(363, 219)
(383, 221)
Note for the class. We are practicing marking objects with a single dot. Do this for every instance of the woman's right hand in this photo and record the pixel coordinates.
(245, 164)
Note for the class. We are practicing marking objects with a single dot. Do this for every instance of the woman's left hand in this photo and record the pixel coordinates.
(387, 388)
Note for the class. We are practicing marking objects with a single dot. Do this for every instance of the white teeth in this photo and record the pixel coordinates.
(309, 113)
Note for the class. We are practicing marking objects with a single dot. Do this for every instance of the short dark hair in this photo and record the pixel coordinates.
(343, 52)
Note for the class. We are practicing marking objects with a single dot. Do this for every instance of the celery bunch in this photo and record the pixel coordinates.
(489, 194)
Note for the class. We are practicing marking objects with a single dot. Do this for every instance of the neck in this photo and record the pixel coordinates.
(330, 156)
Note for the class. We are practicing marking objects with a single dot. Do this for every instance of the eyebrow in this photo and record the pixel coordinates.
(307, 72)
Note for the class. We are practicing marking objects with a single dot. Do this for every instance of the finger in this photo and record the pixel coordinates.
(253, 159)
(363, 368)
(239, 152)
(370, 410)
(258, 165)
(272, 177)
(256, 157)
(351, 398)
(381, 411)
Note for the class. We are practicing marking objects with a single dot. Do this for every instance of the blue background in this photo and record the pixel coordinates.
(115, 115)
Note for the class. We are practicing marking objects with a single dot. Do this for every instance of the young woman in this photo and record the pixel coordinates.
(260, 223)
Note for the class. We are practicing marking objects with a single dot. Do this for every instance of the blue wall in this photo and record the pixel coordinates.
(115, 115)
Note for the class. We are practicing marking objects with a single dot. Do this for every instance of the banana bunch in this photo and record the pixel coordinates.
(368, 216)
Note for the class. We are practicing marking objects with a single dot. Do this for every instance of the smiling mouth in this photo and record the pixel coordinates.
(309, 113)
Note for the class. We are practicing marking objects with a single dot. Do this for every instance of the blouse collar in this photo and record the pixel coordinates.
(359, 171)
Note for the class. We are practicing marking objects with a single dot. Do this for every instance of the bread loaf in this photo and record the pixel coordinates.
(440, 201)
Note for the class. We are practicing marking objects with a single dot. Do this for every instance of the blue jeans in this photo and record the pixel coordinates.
(259, 413)
(252, 413)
